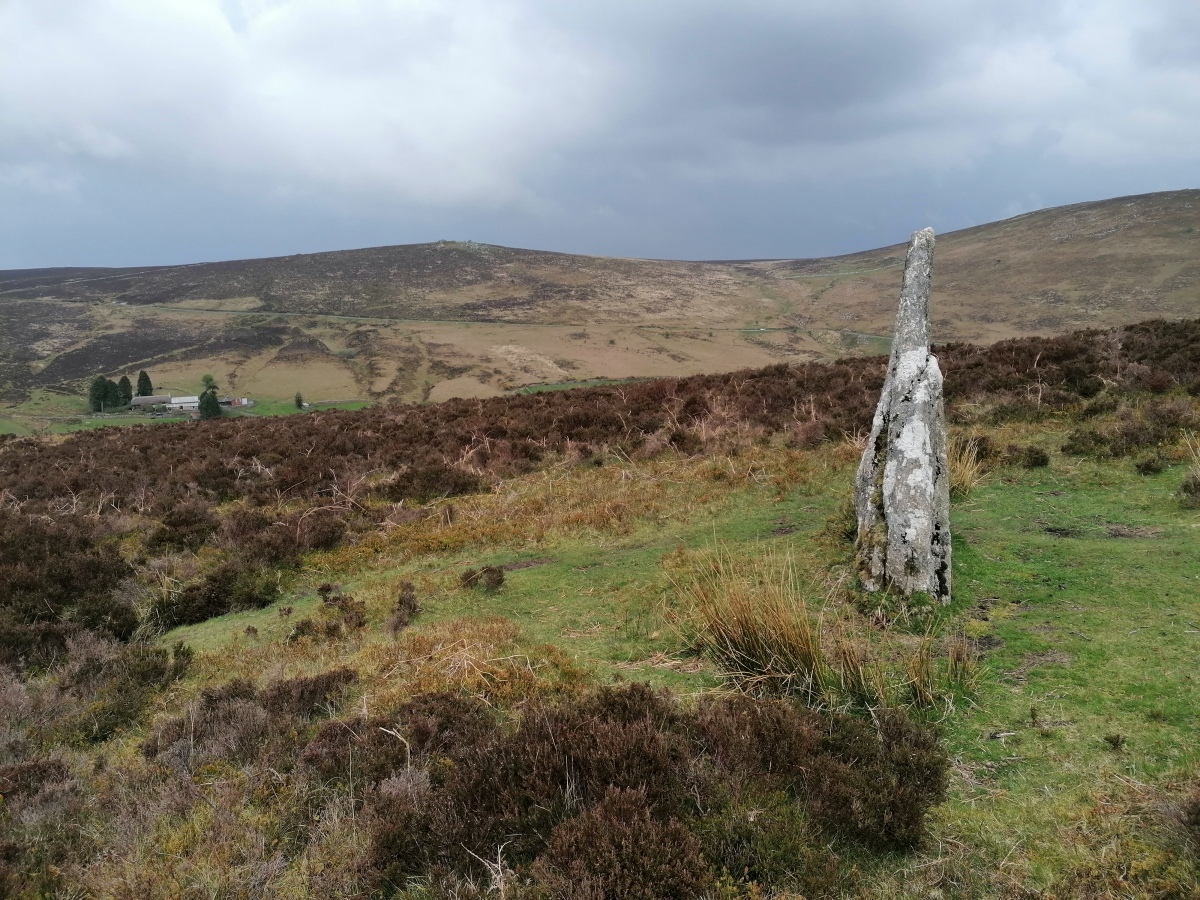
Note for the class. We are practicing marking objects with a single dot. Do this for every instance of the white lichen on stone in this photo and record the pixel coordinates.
(902, 491)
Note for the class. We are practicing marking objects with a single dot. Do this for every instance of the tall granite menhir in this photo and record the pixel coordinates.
(902, 491)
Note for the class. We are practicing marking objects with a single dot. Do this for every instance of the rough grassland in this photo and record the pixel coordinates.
(434, 602)
(1077, 580)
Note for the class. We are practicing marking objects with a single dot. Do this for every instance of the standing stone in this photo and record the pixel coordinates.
(902, 491)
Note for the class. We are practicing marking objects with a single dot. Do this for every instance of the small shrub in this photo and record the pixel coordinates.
(35, 646)
(54, 581)
(311, 628)
(116, 685)
(1085, 442)
(405, 609)
(767, 841)
(222, 725)
(254, 536)
(232, 587)
(759, 739)
(1169, 414)
(1099, 407)
(240, 723)
(339, 615)
(305, 696)
(27, 777)
(519, 786)
(425, 726)
(1151, 465)
(423, 483)
(876, 785)
(686, 442)
(1156, 381)
(400, 837)
(320, 530)
(184, 527)
(617, 849)
(349, 613)
(1033, 457)
(490, 578)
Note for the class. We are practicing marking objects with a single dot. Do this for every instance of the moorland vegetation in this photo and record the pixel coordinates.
(602, 643)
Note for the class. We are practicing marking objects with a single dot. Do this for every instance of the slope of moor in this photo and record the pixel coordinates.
(464, 319)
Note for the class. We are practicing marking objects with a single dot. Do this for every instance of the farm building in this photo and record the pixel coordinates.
(154, 400)
(183, 403)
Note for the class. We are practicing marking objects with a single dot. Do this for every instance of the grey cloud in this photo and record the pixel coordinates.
(136, 131)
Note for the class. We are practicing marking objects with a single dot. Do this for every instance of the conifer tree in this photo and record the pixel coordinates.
(210, 407)
(126, 390)
(97, 392)
(112, 394)
(144, 387)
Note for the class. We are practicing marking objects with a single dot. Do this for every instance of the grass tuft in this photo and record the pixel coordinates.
(754, 622)
(967, 463)
(1189, 491)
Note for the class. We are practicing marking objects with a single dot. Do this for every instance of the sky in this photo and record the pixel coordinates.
(148, 132)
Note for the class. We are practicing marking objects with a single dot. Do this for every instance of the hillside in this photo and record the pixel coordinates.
(604, 642)
(463, 319)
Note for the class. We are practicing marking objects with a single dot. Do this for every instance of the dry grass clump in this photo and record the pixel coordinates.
(968, 464)
(1189, 491)
(752, 619)
(483, 657)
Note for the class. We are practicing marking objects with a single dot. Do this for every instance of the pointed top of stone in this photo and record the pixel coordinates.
(912, 318)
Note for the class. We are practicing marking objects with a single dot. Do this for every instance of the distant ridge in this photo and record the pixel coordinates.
(402, 321)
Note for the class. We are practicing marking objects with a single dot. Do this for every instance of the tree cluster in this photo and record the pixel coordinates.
(105, 394)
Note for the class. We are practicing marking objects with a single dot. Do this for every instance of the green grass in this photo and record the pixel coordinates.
(288, 407)
(59, 414)
(1097, 636)
(605, 598)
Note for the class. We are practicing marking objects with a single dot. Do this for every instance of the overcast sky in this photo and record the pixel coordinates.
(137, 132)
